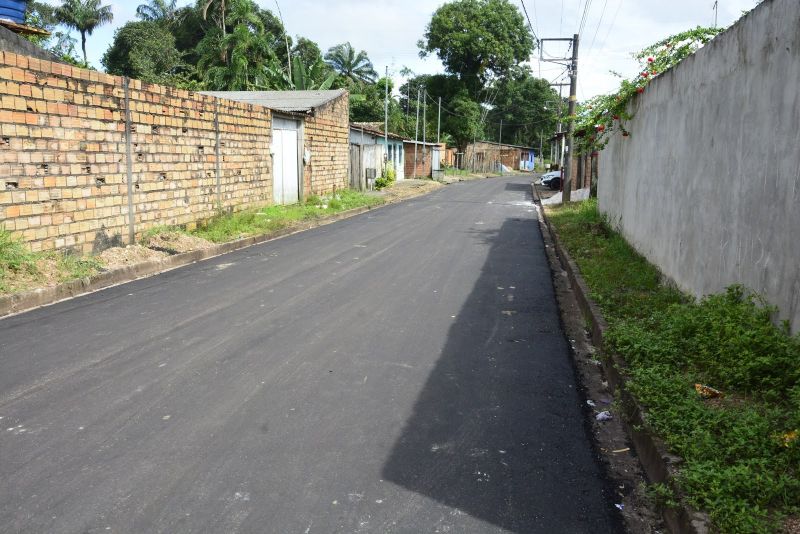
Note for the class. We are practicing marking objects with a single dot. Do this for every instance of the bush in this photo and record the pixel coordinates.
(386, 179)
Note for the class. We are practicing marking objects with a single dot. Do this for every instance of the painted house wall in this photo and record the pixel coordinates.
(395, 149)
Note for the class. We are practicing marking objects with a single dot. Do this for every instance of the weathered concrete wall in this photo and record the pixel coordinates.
(707, 186)
(12, 42)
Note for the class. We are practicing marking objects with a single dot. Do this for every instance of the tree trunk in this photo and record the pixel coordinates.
(83, 46)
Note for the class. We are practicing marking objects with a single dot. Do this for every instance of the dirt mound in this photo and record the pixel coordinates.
(123, 256)
(176, 242)
(410, 188)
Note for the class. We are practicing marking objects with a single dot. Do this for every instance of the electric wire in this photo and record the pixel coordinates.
(599, 23)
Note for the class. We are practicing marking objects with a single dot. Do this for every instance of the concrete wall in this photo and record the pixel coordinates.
(707, 186)
(11, 42)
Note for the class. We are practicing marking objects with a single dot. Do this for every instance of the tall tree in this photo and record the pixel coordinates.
(351, 65)
(526, 105)
(84, 16)
(241, 59)
(158, 10)
(464, 123)
(478, 40)
(144, 50)
(61, 44)
(307, 51)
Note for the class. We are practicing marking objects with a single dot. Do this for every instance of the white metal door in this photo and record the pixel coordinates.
(286, 172)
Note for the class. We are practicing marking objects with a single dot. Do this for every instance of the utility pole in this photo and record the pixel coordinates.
(439, 124)
(500, 147)
(572, 66)
(573, 98)
(416, 133)
(716, 10)
(424, 124)
(386, 112)
(541, 154)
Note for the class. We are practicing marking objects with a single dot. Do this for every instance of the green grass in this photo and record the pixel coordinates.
(272, 218)
(22, 269)
(450, 171)
(738, 464)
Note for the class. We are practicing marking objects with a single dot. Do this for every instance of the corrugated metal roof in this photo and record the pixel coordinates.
(289, 101)
(371, 128)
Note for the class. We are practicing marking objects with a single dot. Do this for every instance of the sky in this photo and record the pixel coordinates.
(389, 30)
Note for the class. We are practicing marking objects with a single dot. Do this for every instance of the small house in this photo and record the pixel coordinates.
(368, 134)
(310, 143)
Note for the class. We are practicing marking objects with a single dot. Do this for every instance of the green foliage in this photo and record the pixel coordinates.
(602, 115)
(164, 11)
(20, 268)
(478, 40)
(741, 460)
(386, 179)
(465, 122)
(227, 227)
(317, 76)
(241, 60)
(366, 105)
(143, 50)
(14, 255)
(307, 51)
(355, 67)
(527, 107)
(58, 43)
(84, 16)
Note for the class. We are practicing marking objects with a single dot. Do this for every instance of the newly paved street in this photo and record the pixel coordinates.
(400, 371)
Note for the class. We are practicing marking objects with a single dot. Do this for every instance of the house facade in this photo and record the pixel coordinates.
(423, 160)
(309, 139)
(366, 133)
(488, 156)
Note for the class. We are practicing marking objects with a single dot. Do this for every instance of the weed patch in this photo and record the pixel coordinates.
(741, 453)
(21, 269)
(228, 227)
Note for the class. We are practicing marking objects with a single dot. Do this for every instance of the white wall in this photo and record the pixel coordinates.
(707, 186)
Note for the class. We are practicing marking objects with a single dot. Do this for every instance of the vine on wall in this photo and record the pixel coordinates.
(598, 118)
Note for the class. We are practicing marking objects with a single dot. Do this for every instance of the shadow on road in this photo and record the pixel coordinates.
(498, 430)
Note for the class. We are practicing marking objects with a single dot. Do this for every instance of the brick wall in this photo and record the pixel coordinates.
(423, 161)
(327, 136)
(63, 163)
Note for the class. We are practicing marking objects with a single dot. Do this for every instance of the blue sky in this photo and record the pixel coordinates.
(389, 29)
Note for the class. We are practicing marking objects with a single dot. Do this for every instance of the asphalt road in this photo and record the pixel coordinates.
(399, 371)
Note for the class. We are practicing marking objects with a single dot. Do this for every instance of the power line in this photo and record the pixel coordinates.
(613, 20)
(599, 22)
(584, 17)
(525, 9)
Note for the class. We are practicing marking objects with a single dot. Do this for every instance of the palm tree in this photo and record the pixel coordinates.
(206, 4)
(84, 16)
(158, 10)
(353, 66)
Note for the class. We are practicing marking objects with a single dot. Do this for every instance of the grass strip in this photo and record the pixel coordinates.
(245, 223)
(21, 269)
(740, 450)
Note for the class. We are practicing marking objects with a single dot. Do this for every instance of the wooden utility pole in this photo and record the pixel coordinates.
(424, 124)
(439, 124)
(416, 133)
(573, 98)
(500, 147)
(386, 112)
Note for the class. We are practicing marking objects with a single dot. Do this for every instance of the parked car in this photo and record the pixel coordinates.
(551, 179)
